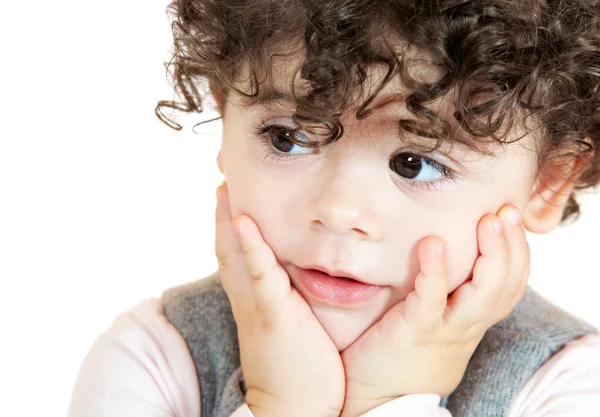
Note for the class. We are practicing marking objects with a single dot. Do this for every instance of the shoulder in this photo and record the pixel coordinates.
(524, 341)
(139, 366)
(191, 295)
(534, 331)
(568, 381)
(200, 310)
(512, 351)
(201, 313)
(538, 319)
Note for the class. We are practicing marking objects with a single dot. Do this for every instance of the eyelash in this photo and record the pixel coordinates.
(263, 134)
(264, 131)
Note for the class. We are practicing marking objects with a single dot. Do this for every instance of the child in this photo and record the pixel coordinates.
(382, 161)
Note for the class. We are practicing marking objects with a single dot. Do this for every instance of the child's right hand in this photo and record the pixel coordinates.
(291, 366)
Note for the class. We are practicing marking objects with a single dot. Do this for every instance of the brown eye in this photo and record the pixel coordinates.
(406, 165)
(416, 167)
(280, 138)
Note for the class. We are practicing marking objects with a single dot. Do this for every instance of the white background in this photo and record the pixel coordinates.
(101, 205)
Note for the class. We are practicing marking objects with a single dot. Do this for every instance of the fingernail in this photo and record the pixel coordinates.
(439, 249)
(514, 217)
(221, 188)
(498, 226)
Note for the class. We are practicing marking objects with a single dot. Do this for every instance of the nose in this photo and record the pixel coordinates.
(344, 204)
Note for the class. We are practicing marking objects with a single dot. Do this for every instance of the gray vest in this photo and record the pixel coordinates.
(509, 354)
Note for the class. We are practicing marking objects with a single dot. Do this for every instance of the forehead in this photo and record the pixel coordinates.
(282, 81)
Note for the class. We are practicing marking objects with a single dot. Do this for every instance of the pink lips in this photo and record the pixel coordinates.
(334, 290)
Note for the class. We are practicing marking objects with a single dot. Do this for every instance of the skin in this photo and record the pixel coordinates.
(342, 207)
(421, 345)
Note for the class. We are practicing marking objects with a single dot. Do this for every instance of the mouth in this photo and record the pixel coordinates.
(337, 288)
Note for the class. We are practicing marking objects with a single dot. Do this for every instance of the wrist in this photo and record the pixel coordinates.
(361, 398)
(302, 408)
(356, 407)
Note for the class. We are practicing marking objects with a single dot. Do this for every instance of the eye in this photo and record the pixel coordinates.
(417, 168)
(279, 138)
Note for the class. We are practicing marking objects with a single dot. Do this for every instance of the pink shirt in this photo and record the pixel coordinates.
(141, 367)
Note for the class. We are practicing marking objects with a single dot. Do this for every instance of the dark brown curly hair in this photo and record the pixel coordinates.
(532, 60)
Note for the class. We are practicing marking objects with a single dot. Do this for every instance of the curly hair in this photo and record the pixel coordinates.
(532, 60)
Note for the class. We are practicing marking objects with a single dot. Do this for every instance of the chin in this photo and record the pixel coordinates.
(343, 326)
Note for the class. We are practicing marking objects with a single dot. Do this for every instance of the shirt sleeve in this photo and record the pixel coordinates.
(243, 411)
(568, 385)
(413, 405)
(139, 367)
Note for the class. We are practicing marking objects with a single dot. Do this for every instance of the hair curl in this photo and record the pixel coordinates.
(535, 60)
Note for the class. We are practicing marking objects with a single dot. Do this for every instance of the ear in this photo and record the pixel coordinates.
(220, 162)
(549, 196)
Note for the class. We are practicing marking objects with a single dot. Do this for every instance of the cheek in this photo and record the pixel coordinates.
(264, 205)
(460, 234)
(458, 230)
(247, 194)
(259, 195)
(461, 254)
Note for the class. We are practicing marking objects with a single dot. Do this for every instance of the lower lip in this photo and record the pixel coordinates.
(333, 290)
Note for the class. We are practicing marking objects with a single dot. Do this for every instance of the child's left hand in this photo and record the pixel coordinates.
(424, 343)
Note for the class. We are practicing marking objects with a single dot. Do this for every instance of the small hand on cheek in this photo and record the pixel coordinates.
(424, 343)
(286, 356)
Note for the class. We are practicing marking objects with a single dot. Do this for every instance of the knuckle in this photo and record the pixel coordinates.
(223, 259)
(492, 300)
(262, 270)
(247, 249)
(475, 332)
(265, 323)
(269, 318)
(219, 250)
(437, 304)
(522, 246)
(256, 274)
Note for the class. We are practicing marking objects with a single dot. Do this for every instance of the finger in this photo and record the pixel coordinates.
(519, 256)
(425, 306)
(232, 267)
(475, 302)
(270, 282)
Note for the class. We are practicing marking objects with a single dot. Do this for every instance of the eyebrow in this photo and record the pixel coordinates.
(268, 96)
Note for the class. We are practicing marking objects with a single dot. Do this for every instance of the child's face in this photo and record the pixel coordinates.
(342, 206)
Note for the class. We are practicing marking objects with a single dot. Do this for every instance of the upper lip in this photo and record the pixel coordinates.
(334, 272)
